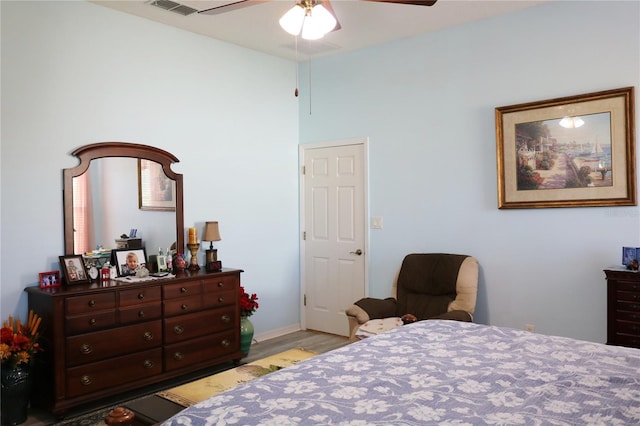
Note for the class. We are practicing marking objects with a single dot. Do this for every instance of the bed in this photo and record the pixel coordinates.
(441, 372)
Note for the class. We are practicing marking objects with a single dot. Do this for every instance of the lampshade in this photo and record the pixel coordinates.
(571, 122)
(211, 232)
(311, 20)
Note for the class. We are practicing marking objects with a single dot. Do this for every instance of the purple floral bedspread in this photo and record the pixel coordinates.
(444, 373)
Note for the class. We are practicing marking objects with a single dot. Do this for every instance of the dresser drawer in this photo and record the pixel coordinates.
(628, 327)
(627, 286)
(140, 295)
(220, 298)
(629, 296)
(224, 283)
(183, 305)
(629, 340)
(174, 291)
(627, 306)
(95, 302)
(113, 372)
(86, 348)
(92, 322)
(204, 323)
(203, 349)
(139, 313)
(628, 316)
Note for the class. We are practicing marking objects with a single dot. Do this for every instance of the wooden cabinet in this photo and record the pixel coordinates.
(623, 307)
(101, 340)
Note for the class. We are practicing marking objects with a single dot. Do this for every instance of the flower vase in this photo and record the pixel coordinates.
(16, 387)
(246, 335)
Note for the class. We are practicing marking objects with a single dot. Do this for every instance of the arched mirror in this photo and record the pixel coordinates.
(118, 187)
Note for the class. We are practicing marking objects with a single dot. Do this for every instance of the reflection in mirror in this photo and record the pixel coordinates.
(112, 197)
(103, 198)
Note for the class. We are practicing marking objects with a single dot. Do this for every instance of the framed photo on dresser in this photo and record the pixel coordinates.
(74, 269)
(127, 260)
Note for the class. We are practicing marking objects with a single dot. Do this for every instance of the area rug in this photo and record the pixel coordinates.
(199, 390)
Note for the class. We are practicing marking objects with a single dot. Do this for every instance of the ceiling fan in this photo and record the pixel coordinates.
(310, 18)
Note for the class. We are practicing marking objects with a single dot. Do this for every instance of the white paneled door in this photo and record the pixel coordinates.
(334, 228)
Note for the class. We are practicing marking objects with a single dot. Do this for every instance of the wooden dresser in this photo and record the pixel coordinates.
(623, 307)
(102, 340)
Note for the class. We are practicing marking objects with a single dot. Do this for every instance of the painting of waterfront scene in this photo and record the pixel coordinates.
(576, 151)
(552, 156)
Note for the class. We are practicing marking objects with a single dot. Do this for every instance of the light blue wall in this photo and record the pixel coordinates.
(75, 73)
(427, 105)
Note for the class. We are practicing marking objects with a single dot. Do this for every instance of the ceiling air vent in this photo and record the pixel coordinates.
(174, 7)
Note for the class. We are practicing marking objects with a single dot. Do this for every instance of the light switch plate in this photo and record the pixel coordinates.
(376, 222)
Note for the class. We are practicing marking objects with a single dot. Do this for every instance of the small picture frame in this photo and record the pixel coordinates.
(162, 263)
(74, 270)
(49, 279)
(127, 260)
(629, 254)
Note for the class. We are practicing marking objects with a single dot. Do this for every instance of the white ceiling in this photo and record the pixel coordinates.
(363, 23)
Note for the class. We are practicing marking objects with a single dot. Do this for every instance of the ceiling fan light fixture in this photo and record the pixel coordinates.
(292, 21)
(312, 21)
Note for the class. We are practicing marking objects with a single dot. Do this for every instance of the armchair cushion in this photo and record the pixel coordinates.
(427, 283)
(378, 308)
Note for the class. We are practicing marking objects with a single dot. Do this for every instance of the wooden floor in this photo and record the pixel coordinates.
(307, 339)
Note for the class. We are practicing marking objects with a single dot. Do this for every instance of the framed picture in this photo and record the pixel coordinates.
(629, 254)
(74, 270)
(49, 279)
(577, 151)
(127, 260)
(155, 190)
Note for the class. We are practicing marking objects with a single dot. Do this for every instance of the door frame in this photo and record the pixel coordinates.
(364, 141)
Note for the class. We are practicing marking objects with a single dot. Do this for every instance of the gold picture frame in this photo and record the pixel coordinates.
(156, 191)
(576, 151)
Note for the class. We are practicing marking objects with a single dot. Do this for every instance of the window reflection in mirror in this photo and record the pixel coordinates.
(107, 204)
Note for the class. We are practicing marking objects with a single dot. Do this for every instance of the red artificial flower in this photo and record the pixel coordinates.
(248, 303)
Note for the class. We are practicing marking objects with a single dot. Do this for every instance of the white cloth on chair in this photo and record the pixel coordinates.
(377, 326)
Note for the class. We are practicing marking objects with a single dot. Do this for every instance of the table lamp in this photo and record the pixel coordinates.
(211, 234)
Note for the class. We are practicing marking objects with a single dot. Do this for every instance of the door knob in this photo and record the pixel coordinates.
(358, 252)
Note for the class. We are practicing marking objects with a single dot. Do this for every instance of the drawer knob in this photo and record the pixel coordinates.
(86, 380)
(92, 303)
(147, 336)
(184, 307)
(178, 356)
(220, 284)
(140, 296)
(220, 299)
(226, 318)
(86, 349)
(147, 363)
(183, 290)
(92, 321)
(141, 314)
(226, 343)
(178, 329)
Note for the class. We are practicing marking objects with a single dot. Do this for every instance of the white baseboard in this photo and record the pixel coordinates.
(277, 333)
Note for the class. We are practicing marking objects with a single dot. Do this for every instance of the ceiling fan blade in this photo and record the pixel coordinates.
(413, 2)
(231, 6)
(327, 5)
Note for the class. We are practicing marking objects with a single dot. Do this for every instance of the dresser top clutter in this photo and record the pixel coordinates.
(107, 335)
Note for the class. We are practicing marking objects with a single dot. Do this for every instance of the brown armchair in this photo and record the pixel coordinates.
(428, 286)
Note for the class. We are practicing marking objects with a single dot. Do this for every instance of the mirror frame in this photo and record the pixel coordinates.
(94, 151)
